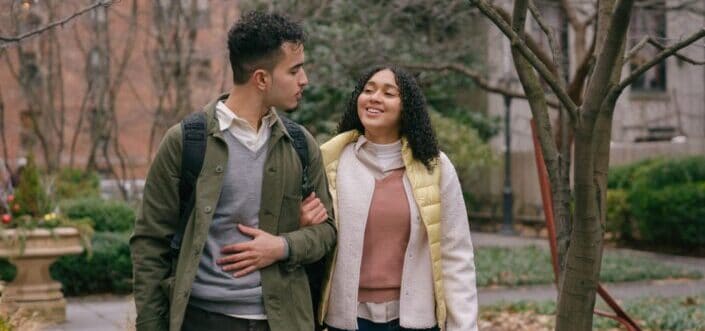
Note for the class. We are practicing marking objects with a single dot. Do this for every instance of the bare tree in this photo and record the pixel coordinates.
(6, 40)
(588, 101)
(176, 29)
(39, 70)
(106, 76)
(3, 138)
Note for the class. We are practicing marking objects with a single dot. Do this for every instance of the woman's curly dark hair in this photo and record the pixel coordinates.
(415, 121)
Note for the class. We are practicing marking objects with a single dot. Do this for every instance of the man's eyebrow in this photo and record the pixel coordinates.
(297, 66)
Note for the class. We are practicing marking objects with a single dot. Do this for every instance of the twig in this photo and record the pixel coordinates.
(570, 14)
(651, 41)
(477, 77)
(681, 57)
(658, 58)
(517, 41)
(555, 49)
(16, 39)
(636, 48)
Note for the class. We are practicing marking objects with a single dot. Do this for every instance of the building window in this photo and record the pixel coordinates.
(648, 21)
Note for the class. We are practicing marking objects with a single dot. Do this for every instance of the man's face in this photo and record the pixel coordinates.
(288, 78)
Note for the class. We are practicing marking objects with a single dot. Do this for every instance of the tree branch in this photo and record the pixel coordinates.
(651, 41)
(16, 39)
(555, 49)
(632, 52)
(658, 58)
(477, 77)
(610, 52)
(517, 42)
(530, 42)
(570, 14)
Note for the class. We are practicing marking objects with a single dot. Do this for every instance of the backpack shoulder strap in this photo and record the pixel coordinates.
(298, 141)
(193, 134)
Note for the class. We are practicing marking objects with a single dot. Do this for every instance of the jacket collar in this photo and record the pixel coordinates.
(213, 126)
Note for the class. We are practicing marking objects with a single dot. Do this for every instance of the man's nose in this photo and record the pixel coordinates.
(304, 78)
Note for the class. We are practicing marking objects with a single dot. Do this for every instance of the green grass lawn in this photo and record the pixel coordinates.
(531, 265)
(673, 314)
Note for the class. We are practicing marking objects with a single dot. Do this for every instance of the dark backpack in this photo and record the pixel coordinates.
(193, 133)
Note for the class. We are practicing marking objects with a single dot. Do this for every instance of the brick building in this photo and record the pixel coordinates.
(98, 85)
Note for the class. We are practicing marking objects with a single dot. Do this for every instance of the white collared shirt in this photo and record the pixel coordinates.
(252, 138)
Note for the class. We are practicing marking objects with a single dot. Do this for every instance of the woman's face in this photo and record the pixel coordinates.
(379, 106)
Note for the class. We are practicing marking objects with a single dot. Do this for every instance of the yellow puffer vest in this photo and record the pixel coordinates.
(426, 190)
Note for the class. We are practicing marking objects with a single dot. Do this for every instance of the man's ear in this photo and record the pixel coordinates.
(262, 79)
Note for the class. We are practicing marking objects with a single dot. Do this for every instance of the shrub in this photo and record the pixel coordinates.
(76, 183)
(30, 196)
(661, 199)
(111, 216)
(672, 215)
(667, 172)
(622, 176)
(108, 270)
(618, 221)
(463, 146)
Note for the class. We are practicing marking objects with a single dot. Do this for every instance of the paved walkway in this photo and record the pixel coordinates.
(108, 313)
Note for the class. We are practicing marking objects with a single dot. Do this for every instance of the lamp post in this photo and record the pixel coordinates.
(508, 223)
(507, 198)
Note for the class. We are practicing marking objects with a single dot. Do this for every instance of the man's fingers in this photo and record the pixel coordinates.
(242, 265)
(235, 248)
(235, 257)
(246, 230)
(246, 271)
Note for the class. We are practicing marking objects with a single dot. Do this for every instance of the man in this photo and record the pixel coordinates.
(239, 266)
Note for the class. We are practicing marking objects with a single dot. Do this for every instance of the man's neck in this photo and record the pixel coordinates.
(247, 104)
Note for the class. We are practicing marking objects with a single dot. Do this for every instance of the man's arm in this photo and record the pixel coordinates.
(150, 243)
(304, 246)
(309, 244)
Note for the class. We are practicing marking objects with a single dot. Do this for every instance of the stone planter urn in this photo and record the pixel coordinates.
(33, 288)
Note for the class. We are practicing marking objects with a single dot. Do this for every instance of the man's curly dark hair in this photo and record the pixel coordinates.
(254, 42)
(415, 120)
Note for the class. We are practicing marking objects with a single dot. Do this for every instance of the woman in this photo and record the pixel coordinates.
(404, 259)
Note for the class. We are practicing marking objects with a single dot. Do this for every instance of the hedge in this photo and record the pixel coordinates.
(659, 200)
(109, 270)
(672, 215)
(107, 215)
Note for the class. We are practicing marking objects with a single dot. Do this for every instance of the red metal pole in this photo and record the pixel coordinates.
(547, 199)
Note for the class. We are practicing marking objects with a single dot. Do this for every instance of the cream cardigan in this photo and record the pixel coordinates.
(351, 185)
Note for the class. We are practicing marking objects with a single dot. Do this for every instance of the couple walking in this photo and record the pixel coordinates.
(382, 240)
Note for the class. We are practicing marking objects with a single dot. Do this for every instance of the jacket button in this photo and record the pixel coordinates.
(208, 209)
(272, 170)
(219, 169)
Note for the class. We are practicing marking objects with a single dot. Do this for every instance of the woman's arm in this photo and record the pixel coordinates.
(456, 254)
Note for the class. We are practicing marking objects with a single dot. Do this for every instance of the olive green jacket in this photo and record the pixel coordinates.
(162, 288)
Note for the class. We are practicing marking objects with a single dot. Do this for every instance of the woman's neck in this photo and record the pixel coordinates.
(382, 138)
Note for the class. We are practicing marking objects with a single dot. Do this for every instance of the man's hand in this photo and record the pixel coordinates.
(312, 211)
(263, 250)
